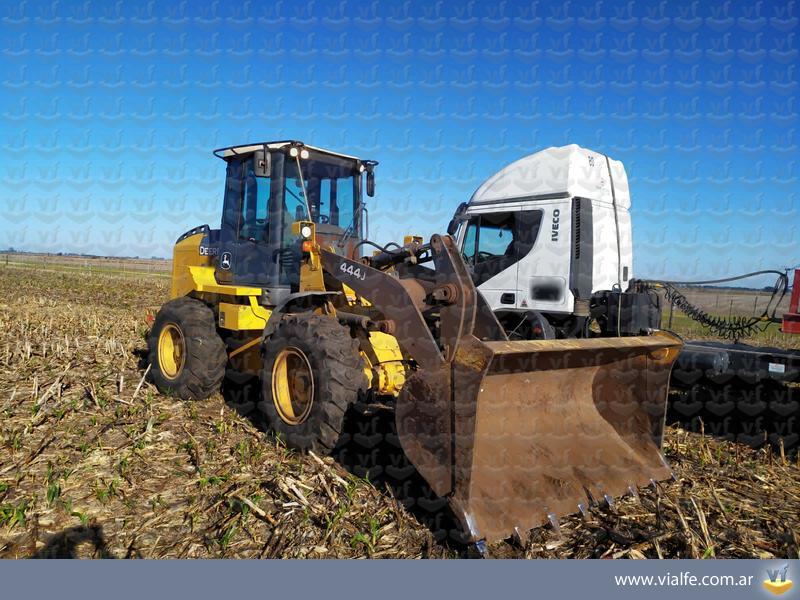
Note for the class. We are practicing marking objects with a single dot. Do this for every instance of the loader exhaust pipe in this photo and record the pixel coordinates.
(514, 434)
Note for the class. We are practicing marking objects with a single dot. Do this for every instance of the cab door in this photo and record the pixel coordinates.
(247, 251)
(544, 270)
(494, 243)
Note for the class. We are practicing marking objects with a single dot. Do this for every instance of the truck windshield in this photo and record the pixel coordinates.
(332, 187)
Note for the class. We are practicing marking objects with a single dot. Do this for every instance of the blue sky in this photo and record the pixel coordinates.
(110, 113)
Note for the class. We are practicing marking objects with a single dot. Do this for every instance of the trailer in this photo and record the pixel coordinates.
(740, 392)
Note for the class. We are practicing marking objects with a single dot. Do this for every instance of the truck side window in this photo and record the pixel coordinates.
(489, 236)
(470, 239)
(526, 229)
(495, 241)
(496, 236)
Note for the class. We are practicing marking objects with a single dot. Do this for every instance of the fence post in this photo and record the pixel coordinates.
(671, 309)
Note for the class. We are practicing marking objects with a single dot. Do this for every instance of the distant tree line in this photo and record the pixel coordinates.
(12, 250)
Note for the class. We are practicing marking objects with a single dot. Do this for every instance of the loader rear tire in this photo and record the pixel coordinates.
(186, 355)
(311, 374)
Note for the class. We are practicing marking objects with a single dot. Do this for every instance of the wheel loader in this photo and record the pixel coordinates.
(514, 434)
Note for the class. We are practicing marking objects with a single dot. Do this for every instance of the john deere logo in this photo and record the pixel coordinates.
(225, 261)
(778, 583)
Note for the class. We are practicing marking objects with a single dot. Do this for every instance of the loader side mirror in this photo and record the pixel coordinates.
(370, 183)
(262, 164)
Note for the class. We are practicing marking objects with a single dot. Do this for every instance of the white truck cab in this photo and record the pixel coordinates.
(549, 235)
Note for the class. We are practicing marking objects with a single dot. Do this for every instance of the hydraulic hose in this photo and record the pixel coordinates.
(731, 328)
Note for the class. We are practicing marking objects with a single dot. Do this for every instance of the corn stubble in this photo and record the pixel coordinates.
(94, 462)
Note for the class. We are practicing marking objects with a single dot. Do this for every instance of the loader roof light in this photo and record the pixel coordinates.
(293, 151)
(286, 145)
(305, 231)
(303, 153)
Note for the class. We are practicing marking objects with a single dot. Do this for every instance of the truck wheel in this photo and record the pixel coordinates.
(312, 373)
(540, 327)
(187, 357)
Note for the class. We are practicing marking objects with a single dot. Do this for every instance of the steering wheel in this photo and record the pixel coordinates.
(484, 256)
(282, 254)
(324, 219)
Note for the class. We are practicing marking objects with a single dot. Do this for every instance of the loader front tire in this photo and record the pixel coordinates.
(312, 372)
(187, 357)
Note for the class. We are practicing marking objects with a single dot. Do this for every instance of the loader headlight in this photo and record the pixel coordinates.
(305, 231)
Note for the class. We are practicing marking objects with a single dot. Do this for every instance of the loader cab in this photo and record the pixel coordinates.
(270, 186)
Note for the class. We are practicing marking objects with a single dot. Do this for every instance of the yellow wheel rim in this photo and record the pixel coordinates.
(171, 351)
(292, 386)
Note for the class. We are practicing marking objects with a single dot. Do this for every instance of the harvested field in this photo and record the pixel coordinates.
(94, 462)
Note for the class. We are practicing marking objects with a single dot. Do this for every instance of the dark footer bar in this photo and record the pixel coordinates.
(401, 579)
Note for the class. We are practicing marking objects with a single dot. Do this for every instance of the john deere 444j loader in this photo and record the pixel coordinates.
(513, 433)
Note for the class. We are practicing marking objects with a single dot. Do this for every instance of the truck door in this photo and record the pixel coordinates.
(544, 272)
(494, 243)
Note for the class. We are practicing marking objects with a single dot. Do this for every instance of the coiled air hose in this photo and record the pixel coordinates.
(731, 328)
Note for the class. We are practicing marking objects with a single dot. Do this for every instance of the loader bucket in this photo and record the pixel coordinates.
(517, 434)
(514, 434)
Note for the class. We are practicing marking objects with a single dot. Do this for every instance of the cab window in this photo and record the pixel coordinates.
(331, 187)
(489, 236)
(494, 242)
(501, 234)
(294, 202)
(254, 219)
(334, 204)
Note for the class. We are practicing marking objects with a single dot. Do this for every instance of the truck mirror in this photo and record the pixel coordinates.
(370, 183)
(262, 163)
(452, 227)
